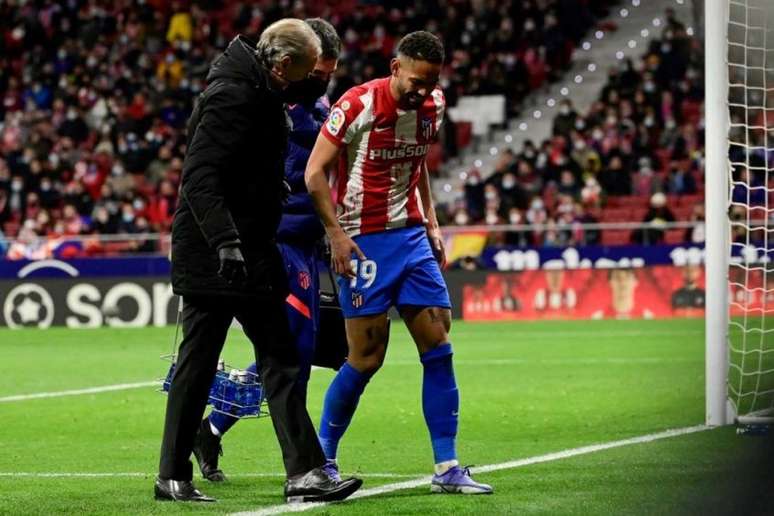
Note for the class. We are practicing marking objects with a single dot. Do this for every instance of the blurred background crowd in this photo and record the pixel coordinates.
(96, 94)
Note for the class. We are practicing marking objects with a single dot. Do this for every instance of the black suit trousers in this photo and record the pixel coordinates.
(206, 320)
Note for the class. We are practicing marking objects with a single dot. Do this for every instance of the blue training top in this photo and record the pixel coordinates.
(300, 224)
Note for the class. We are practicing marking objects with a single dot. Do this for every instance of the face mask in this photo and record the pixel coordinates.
(305, 91)
(565, 110)
(491, 218)
(461, 219)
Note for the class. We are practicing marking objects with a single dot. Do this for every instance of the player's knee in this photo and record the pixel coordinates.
(368, 364)
(446, 321)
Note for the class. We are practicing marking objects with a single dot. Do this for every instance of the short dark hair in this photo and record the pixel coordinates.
(329, 39)
(422, 46)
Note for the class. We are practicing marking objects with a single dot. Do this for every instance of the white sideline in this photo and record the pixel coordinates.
(423, 481)
(462, 361)
(131, 474)
(76, 392)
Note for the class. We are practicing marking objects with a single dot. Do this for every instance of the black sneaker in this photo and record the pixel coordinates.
(178, 491)
(318, 486)
(207, 449)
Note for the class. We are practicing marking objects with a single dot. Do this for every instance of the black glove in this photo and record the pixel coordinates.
(232, 265)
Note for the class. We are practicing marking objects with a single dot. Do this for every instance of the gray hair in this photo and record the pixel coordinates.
(288, 37)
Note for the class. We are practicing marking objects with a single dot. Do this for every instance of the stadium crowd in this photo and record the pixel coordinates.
(96, 94)
(635, 155)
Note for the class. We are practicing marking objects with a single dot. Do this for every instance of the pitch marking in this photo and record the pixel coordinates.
(76, 392)
(424, 481)
(132, 474)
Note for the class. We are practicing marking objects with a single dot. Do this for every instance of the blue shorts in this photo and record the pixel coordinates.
(303, 302)
(399, 270)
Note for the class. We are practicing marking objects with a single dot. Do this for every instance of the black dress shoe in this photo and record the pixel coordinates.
(318, 486)
(207, 449)
(179, 491)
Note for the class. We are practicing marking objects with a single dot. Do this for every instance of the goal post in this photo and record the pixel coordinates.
(718, 409)
(739, 193)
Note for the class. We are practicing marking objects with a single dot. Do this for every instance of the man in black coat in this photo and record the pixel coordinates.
(225, 262)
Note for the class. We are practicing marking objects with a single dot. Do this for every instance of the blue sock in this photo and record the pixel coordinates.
(440, 401)
(339, 406)
(224, 422)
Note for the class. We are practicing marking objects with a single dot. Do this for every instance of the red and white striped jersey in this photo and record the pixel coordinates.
(375, 183)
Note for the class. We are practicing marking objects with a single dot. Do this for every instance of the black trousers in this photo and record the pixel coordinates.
(205, 324)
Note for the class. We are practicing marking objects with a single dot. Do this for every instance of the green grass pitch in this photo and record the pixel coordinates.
(527, 389)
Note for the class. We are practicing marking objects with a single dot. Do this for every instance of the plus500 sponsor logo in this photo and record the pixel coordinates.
(404, 151)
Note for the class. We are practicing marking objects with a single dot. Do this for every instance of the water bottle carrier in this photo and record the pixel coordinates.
(239, 395)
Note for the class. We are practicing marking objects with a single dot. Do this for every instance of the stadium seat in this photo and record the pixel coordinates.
(674, 236)
(616, 237)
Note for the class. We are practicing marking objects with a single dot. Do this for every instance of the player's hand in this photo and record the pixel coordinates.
(232, 265)
(436, 244)
(342, 249)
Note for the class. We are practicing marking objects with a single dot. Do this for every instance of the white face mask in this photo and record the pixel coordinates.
(490, 195)
(461, 218)
(491, 218)
(515, 218)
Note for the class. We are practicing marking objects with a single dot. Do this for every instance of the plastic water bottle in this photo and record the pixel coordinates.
(247, 398)
(216, 389)
(230, 392)
(168, 379)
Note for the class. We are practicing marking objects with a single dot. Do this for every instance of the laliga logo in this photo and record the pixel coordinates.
(85, 304)
(28, 304)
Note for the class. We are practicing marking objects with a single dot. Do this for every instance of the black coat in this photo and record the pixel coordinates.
(231, 188)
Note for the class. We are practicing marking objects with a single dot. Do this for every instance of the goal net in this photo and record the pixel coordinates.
(750, 54)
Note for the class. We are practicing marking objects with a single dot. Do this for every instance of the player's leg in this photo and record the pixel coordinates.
(425, 307)
(367, 338)
(364, 302)
(429, 327)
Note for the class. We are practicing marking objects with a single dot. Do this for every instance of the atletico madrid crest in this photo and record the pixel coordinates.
(304, 280)
(427, 127)
(357, 299)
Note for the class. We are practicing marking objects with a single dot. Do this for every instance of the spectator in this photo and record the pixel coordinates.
(615, 179)
(657, 217)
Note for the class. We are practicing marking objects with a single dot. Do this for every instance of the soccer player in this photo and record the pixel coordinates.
(298, 235)
(385, 242)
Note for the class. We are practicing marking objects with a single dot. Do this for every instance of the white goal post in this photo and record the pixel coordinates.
(739, 147)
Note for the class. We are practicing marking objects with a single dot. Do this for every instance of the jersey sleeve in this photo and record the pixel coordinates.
(344, 119)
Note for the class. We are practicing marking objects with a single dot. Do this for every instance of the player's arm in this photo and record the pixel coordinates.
(431, 222)
(323, 157)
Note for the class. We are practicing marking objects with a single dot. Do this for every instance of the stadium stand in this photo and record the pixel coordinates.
(635, 156)
(95, 96)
